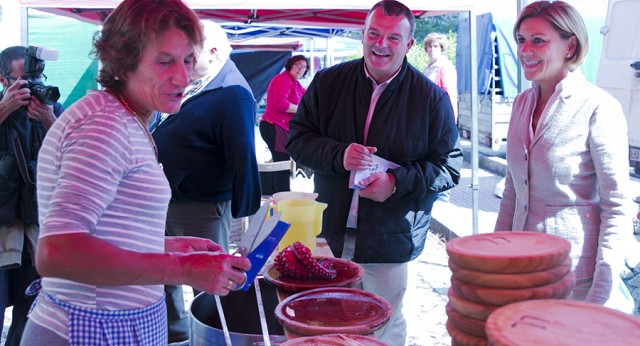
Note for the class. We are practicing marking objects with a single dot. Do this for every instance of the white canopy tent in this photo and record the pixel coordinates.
(311, 13)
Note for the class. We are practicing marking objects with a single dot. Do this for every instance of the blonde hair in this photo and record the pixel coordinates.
(565, 20)
(438, 38)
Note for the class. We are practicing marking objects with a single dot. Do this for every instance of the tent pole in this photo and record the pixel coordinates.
(24, 26)
(312, 61)
(474, 119)
(329, 57)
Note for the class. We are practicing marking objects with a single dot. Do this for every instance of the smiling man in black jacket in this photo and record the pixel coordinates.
(379, 104)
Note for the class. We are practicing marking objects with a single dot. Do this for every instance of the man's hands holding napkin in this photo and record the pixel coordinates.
(358, 157)
(379, 187)
(368, 172)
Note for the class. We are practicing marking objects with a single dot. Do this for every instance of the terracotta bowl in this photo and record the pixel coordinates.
(333, 310)
(335, 340)
(349, 275)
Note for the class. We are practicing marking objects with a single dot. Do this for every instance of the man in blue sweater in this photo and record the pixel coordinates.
(208, 153)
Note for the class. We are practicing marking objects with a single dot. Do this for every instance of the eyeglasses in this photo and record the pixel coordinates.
(301, 65)
(10, 79)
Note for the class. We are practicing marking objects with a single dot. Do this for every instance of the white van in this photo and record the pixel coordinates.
(619, 70)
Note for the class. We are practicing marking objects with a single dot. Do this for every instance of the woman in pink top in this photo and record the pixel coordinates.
(442, 72)
(440, 69)
(283, 95)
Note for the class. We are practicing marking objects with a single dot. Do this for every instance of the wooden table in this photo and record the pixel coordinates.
(322, 248)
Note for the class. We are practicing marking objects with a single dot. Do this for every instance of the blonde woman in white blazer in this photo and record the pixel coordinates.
(567, 155)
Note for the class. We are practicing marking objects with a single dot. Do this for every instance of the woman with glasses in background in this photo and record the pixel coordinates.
(283, 95)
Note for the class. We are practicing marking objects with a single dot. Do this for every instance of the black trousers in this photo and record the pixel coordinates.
(195, 219)
(273, 181)
(177, 315)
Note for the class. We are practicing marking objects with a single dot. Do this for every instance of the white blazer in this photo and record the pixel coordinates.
(572, 179)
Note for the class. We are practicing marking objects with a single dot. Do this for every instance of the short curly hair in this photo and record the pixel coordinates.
(395, 9)
(294, 59)
(438, 38)
(129, 28)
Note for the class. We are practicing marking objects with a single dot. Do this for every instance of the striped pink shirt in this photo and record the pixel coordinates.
(98, 174)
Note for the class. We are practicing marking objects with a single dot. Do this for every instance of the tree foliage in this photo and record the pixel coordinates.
(445, 24)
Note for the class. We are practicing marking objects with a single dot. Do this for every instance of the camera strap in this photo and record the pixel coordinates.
(7, 143)
(17, 148)
(36, 139)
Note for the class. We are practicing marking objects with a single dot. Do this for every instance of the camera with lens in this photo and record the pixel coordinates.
(33, 68)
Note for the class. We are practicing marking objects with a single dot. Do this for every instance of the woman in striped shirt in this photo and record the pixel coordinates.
(103, 196)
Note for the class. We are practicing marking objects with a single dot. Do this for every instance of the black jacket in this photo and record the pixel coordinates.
(412, 125)
(30, 135)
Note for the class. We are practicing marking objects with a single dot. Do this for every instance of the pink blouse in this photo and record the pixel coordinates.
(283, 90)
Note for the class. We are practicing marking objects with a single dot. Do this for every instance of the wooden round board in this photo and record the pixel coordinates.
(459, 338)
(503, 296)
(470, 309)
(508, 252)
(465, 323)
(518, 280)
(561, 322)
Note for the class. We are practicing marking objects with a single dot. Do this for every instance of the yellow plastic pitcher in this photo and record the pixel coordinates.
(305, 218)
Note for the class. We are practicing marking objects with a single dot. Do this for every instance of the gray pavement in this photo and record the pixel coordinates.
(455, 218)
(430, 276)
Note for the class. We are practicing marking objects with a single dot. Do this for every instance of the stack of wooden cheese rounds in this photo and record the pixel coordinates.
(561, 322)
(495, 269)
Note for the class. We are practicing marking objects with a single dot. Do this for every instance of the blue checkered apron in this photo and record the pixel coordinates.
(90, 327)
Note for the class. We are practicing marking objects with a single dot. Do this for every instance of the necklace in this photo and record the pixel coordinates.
(140, 122)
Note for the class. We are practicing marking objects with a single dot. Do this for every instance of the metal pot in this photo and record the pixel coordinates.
(241, 314)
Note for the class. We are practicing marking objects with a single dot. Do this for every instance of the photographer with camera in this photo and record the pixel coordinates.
(27, 111)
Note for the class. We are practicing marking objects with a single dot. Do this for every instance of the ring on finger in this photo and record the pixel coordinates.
(240, 285)
(231, 285)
